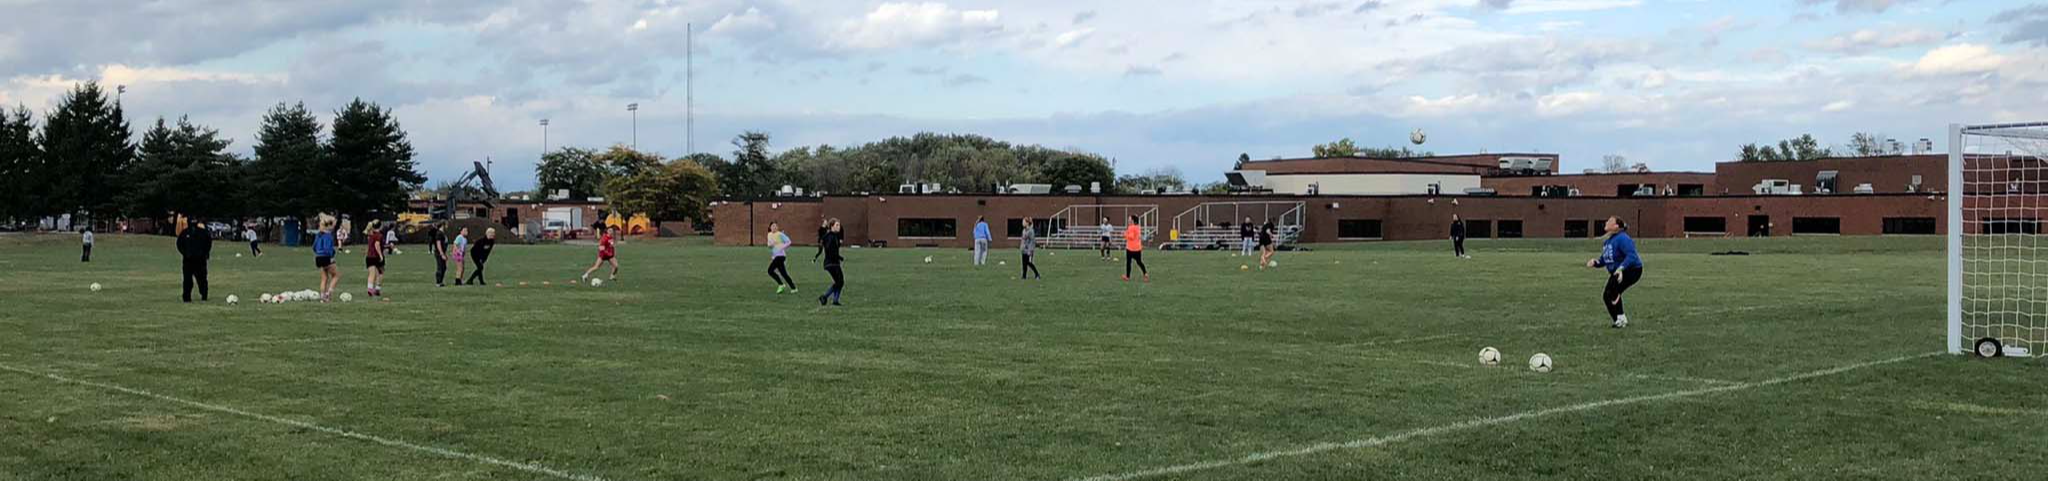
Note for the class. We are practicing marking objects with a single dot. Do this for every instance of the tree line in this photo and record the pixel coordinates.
(1806, 147)
(81, 159)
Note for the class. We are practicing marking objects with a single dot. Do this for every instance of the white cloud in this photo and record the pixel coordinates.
(743, 23)
(897, 25)
(1555, 6)
(1072, 38)
(1838, 106)
(1869, 40)
(1958, 59)
(1857, 6)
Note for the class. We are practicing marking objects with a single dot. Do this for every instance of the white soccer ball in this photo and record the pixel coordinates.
(1273, 264)
(95, 287)
(1489, 356)
(1002, 263)
(345, 297)
(927, 259)
(238, 254)
(1539, 362)
(265, 298)
(597, 283)
(232, 300)
(348, 251)
(1418, 137)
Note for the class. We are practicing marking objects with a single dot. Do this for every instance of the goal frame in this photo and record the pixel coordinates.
(1957, 224)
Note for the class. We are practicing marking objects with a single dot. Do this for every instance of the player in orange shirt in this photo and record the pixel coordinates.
(1134, 250)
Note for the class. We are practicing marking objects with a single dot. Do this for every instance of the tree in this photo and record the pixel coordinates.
(1865, 144)
(677, 190)
(1078, 170)
(1168, 178)
(286, 173)
(574, 169)
(369, 160)
(751, 173)
(22, 186)
(622, 161)
(1341, 148)
(1805, 147)
(85, 146)
(1391, 152)
(185, 170)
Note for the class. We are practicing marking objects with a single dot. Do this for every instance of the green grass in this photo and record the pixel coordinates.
(690, 367)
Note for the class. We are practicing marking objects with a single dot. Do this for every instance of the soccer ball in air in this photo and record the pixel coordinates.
(1418, 137)
(597, 283)
(1539, 362)
(232, 300)
(346, 297)
(95, 287)
(927, 259)
(1489, 356)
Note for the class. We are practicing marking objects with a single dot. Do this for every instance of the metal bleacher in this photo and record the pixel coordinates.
(1080, 226)
(1214, 224)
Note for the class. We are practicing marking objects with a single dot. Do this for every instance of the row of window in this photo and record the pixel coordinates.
(1364, 229)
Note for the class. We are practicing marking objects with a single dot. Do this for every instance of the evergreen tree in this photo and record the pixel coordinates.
(21, 167)
(86, 149)
(285, 174)
(370, 161)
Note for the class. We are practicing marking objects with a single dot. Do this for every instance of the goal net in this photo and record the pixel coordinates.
(1997, 266)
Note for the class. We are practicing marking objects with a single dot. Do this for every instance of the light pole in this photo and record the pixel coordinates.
(543, 137)
(635, 109)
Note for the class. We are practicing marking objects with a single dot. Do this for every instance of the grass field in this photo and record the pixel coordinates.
(1809, 360)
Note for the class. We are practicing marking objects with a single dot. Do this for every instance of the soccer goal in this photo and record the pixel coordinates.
(1997, 272)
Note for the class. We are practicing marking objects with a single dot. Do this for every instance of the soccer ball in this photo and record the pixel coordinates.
(1418, 137)
(1002, 263)
(1273, 264)
(348, 251)
(1489, 356)
(345, 297)
(1244, 267)
(927, 259)
(238, 254)
(95, 287)
(597, 283)
(265, 298)
(1539, 362)
(232, 300)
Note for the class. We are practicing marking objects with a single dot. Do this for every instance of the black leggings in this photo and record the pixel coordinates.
(1616, 286)
(1137, 257)
(1030, 269)
(255, 248)
(838, 282)
(195, 271)
(1458, 244)
(779, 270)
(440, 270)
(477, 276)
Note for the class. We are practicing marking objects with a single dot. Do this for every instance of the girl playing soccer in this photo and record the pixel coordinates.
(833, 261)
(482, 253)
(461, 250)
(607, 251)
(323, 258)
(1266, 234)
(373, 261)
(1624, 268)
(1134, 249)
(778, 246)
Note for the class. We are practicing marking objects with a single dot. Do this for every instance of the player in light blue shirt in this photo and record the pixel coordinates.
(981, 238)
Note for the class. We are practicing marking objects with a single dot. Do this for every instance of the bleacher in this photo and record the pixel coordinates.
(1214, 225)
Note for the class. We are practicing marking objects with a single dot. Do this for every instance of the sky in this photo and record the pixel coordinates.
(1187, 84)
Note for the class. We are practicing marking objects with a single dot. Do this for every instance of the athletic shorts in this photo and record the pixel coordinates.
(1105, 239)
(375, 262)
(605, 257)
(323, 261)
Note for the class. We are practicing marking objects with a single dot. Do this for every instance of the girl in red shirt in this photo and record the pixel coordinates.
(606, 252)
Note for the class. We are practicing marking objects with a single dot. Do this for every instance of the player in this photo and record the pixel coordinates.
(390, 240)
(323, 257)
(461, 249)
(1107, 230)
(981, 238)
(1624, 268)
(829, 245)
(1029, 246)
(439, 243)
(85, 235)
(824, 229)
(778, 265)
(1458, 237)
(607, 251)
(482, 253)
(373, 259)
(195, 246)
(1134, 249)
(1266, 244)
(255, 243)
(1245, 238)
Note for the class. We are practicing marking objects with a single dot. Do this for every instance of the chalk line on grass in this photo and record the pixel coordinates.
(1377, 441)
(527, 467)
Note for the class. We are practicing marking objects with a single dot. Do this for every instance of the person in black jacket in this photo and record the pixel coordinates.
(481, 252)
(829, 246)
(196, 247)
(439, 243)
(1458, 237)
(824, 229)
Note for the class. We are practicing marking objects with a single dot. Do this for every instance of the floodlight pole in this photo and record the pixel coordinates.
(635, 109)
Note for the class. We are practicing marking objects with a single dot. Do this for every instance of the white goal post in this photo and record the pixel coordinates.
(1997, 272)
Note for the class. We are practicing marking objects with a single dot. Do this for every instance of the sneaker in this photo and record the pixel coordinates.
(1127, 278)
(1620, 323)
(1148, 278)
(781, 289)
(792, 290)
(837, 304)
(821, 300)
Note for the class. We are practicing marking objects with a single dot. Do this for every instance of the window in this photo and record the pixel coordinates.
(2012, 226)
(1016, 228)
(1909, 226)
(1358, 229)
(1816, 225)
(1511, 229)
(1706, 225)
(1479, 229)
(1692, 190)
(1578, 229)
(928, 228)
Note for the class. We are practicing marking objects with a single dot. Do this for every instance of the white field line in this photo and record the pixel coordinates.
(1377, 441)
(527, 467)
(1653, 377)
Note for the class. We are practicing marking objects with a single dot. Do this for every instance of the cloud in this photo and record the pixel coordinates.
(1316, 9)
(1496, 4)
(901, 25)
(2030, 24)
(1857, 6)
(1870, 40)
(1142, 71)
(1368, 6)
(963, 80)
(1838, 106)
(1536, 66)
(1958, 59)
(1084, 17)
(1073, 38)
(1518, 7)
(745, 23)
